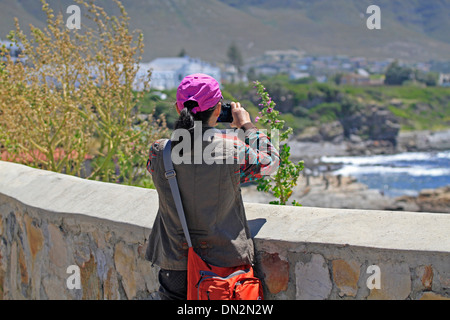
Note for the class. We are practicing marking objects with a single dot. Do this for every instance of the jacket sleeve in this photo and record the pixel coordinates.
(260, 157)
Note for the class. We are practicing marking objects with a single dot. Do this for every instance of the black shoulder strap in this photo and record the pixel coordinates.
(171, 176)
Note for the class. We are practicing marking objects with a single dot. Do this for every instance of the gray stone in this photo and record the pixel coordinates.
(395, 282)
(313, 279)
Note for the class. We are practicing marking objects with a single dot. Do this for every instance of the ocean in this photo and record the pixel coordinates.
(399, 174)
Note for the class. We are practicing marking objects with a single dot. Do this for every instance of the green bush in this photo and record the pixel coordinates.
(73, 100)
(280, 184)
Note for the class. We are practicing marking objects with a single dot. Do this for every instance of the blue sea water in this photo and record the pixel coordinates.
(399, 174)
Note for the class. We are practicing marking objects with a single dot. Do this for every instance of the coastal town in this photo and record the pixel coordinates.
(167, 72)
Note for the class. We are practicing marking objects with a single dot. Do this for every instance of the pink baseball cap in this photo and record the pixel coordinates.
(203, 89)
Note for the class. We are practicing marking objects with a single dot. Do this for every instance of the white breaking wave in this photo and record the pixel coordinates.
(392, 164)
(443, 155)
(403, 192)
(355, 170)
(384, 159)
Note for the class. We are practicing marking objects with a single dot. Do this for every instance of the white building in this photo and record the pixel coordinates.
(444, 79)
(167, 73)
(13, 50)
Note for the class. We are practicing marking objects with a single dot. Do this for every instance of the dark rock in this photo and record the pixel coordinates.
(374, 123)
(366, 126)
(433, 200)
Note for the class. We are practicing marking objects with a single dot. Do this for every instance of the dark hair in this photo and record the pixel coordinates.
(187, 118)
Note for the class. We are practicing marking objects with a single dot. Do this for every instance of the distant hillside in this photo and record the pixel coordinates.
(411, 29)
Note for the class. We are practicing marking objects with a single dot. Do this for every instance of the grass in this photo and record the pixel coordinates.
(312, 104)
(418, 108)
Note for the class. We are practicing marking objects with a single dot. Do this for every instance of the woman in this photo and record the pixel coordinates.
(210, 190)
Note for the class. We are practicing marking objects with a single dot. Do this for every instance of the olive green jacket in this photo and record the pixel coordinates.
(214, 210)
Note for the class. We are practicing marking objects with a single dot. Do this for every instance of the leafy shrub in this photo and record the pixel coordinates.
(72, 102)
(281, 184)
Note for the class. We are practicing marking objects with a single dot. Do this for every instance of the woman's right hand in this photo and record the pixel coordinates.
(240, 115)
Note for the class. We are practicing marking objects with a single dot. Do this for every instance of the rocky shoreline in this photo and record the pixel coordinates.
(318, 187)
(310, 150)
(423, 141)
(347, 193)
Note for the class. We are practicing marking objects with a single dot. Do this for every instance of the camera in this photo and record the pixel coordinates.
(225, 114)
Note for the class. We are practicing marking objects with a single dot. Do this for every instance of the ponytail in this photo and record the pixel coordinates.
(187, 119)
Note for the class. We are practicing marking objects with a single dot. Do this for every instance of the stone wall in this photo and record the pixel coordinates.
(50, 222)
